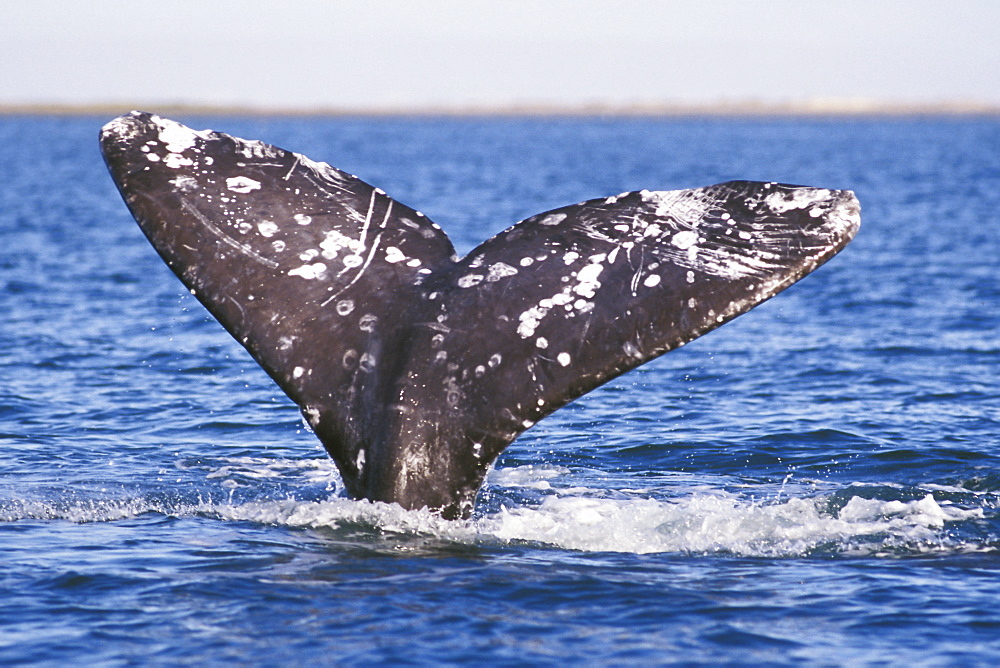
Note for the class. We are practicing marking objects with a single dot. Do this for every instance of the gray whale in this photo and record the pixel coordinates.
(416, 368)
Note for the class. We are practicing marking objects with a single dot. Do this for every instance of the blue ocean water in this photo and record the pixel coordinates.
(815, 482)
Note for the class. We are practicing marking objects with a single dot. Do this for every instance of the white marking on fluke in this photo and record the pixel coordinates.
(308, 271)
(782, 202)
(242, 184)
(176, 138)
(685, 239)
(394, 255)
(267, 228)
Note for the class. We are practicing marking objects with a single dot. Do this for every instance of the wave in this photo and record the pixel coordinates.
(541, 506)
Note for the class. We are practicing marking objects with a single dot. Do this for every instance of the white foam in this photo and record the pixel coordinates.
(716, 522)
(562, 515)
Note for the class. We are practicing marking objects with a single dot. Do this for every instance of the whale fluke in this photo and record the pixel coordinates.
(414, 367)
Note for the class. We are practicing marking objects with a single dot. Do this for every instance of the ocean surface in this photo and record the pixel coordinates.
(817, 482)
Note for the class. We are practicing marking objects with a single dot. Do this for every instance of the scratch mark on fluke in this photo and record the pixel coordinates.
(414, 367)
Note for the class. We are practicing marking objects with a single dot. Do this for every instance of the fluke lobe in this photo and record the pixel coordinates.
(414, 367)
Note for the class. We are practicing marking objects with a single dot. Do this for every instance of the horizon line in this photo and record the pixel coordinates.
(805, 108)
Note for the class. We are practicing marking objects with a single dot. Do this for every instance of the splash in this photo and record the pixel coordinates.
(722, 523)
(561, 515)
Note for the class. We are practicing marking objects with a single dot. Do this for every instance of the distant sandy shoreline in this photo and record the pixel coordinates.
(818, 108)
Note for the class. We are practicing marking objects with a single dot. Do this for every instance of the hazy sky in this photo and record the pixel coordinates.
(460, 53)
